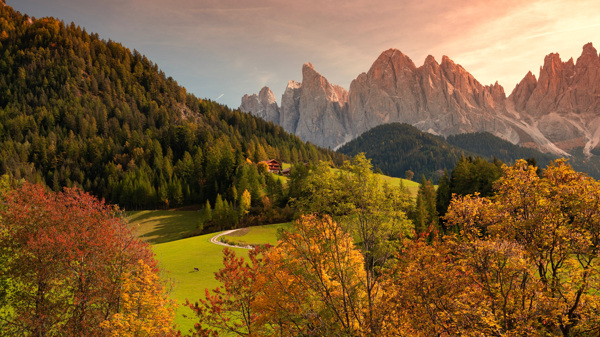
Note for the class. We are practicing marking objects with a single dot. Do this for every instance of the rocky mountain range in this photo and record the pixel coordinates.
(557, 112)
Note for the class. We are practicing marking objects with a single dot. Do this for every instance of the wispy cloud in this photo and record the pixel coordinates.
(566, 30)
(226, 48)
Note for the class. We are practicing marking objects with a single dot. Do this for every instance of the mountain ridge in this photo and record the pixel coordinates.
(445, 99)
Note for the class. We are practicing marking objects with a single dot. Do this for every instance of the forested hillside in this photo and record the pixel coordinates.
(76, 110)
(396, 148)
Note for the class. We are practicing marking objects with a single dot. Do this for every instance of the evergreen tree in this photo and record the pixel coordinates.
(425, 214)
(443, 194)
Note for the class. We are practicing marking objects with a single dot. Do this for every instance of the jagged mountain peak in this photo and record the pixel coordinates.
(431, 63)
(588, 48)
(263, 105)
(266, 94)
(589, 57)
(309, 75)
(393, 58)
(444, 98)
(293, 84)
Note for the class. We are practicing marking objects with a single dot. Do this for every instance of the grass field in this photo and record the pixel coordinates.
(256, 235)
(162, 226)
(178, 257)
(413, 187)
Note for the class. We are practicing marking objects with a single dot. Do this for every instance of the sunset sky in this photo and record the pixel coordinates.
(223, 49)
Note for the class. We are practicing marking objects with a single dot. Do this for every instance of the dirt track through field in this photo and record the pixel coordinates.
(215, 240)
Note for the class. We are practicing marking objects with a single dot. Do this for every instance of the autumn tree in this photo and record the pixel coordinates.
(228, 309)
(371, 211)
(64, 256)
(525, 261)
(245, 202)
(145, 309)
(425, 216)
(456, 288)
(313, 282)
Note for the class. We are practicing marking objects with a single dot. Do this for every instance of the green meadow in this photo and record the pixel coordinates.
(163, 226)
(179, 257)
(256, 235)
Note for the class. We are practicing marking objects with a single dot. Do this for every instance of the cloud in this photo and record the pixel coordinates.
(232, 47)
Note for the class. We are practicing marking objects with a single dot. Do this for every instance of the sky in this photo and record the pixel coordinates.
(223, 49)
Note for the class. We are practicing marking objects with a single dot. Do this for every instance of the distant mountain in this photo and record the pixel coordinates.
(314, 110)
(398, 147)
(76, 110)
(558, 114)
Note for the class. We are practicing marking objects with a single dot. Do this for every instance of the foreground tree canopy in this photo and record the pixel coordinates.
(71, 267)
(524, 262)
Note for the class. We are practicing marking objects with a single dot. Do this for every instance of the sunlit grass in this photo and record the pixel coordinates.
(162, 226)
(257, 235)
(178, 259)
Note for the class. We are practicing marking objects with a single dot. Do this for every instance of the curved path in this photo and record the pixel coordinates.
(216, 241)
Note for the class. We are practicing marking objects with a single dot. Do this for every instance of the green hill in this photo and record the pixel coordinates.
(395, 148)
(76, 110)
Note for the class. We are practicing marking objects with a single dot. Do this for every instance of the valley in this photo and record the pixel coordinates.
(417, 202)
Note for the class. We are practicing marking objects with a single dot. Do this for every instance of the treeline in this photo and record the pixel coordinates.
(76, 110)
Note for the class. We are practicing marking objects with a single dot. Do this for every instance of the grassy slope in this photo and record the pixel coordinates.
(163, 226)
(179, 258)
(257, 235)
(413, 187)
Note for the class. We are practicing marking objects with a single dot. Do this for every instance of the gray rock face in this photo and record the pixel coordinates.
(290, 106)
(262, 105)
(322, 110)
(438, 98)
(314, 110)
(556, 113)
(564, 104)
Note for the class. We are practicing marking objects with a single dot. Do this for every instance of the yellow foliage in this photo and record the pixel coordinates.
(313, 282)
(146, 309)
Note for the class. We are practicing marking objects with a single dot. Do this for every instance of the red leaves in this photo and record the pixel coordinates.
(64, 255)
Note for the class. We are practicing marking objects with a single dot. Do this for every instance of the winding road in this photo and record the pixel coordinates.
(215, 240)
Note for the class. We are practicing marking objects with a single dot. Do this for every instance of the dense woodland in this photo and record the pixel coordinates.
(487, 145)
(76, 110)
(396, 148)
